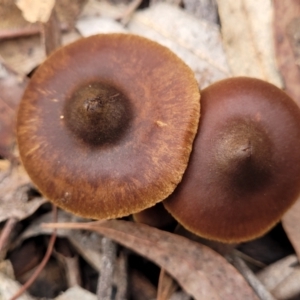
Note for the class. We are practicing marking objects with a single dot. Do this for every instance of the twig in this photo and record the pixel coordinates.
(51, 33)
(166, 286)
(249, 259)
(43, 262)
(7, 34)
(122, 276)
(19, 32)
(108, 260)
(257, 286)
(8, 227)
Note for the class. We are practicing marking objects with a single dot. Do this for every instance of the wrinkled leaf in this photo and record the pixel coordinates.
(12, 86)
(289, 288)
(12, 23)
(196, 42)
(275, 273)
(14, 200)
(248, 38)
(200, 271)
(23, 55)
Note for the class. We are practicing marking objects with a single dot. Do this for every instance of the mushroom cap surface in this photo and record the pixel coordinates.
(244, 170)
(106, 125)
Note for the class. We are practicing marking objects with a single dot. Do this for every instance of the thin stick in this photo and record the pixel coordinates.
(108, 261)
(41, 266)
(250, 277)
(8, 227)
(51, 33)
(6, 34)
(122, 276)
(166, 286)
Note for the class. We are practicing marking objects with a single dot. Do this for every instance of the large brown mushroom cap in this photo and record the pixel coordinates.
(244, 170)
(106, 125)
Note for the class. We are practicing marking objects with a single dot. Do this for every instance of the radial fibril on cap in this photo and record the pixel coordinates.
(244, 170)
(106, 125)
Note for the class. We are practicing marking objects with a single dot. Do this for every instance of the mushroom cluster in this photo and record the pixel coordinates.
(106, 125)
(244, 170)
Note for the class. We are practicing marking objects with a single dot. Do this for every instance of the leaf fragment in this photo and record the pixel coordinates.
(199, 270)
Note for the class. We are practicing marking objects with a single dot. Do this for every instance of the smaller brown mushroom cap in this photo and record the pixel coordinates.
(244, 170)
(106, 125)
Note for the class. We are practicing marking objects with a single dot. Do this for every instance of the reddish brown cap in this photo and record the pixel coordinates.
(244, 170)
(106, 125)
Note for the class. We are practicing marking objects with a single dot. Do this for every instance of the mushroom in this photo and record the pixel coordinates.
(106, 125)
(244, 170)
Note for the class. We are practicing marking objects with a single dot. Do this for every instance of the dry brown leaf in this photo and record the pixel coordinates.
(14, 202)
(12, 23)
(289, 288)
(23, 54)
(275, 273)
(248, 38)
(195, 41)
(26, 53)
(286, 31)
(12, 86)
(68, 11)
(291, 225)
(200, 271)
